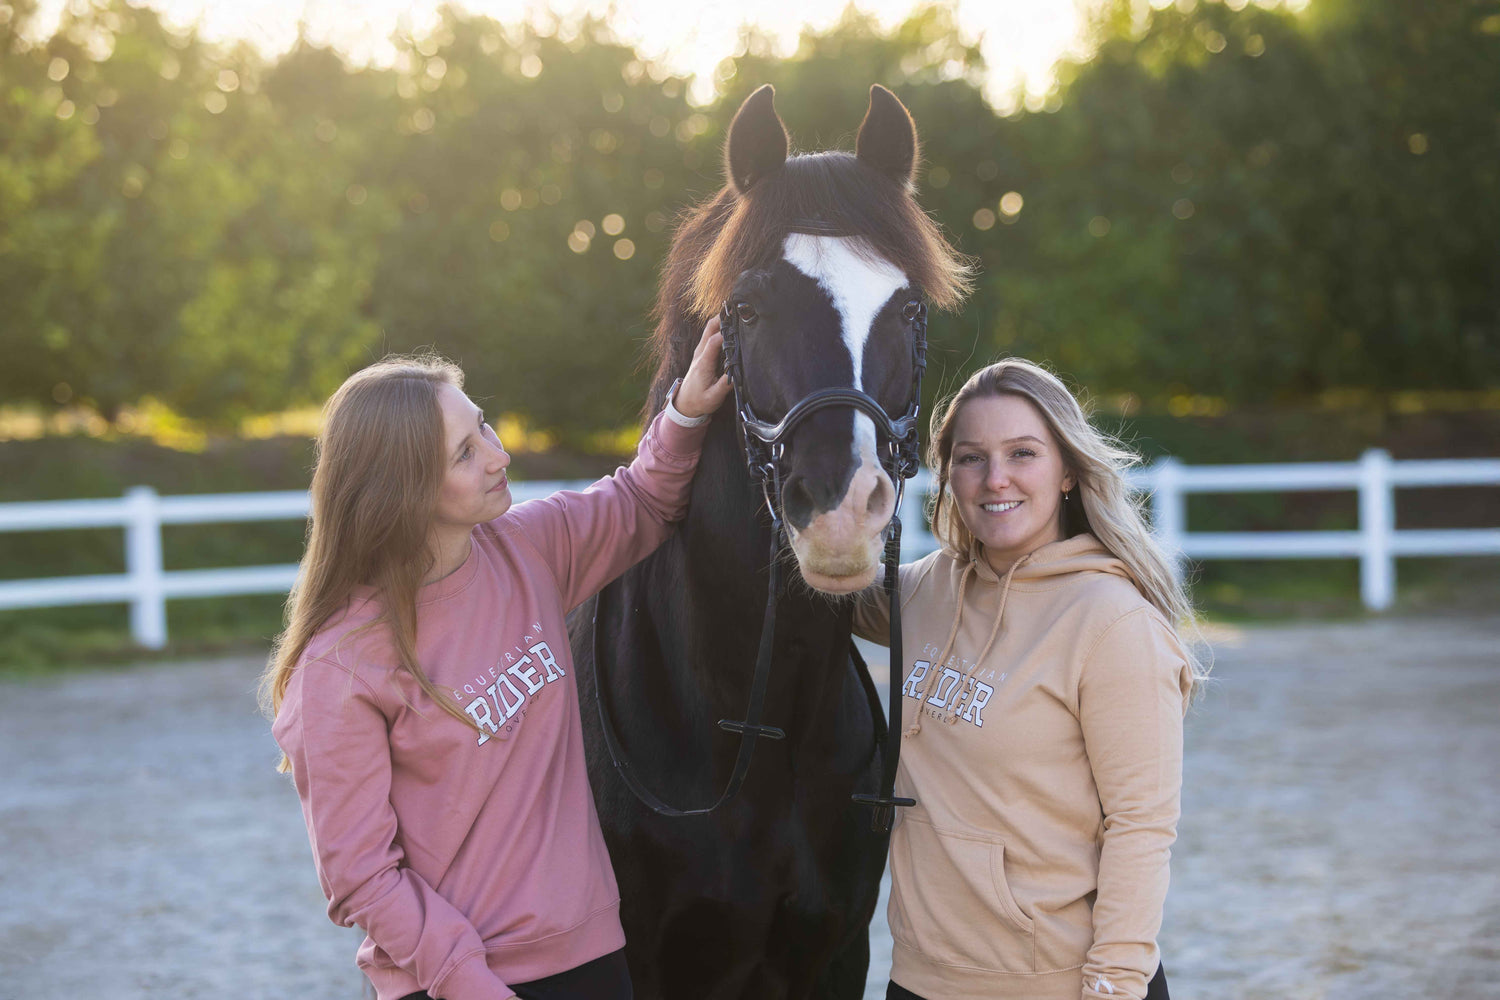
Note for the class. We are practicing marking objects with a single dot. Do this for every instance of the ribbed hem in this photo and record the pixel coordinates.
(522, 961)
(484, 977)
(924, 977)
(473, 979)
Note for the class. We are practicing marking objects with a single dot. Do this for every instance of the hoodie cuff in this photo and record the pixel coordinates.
(1101, 988)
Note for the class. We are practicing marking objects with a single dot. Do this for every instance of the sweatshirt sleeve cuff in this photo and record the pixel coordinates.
(1102, 988)
(674, 443)
(472, 979)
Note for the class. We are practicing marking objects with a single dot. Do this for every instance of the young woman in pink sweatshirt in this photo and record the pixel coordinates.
(1046, 693)
(424, 695)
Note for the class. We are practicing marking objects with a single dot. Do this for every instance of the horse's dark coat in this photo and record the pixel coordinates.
(770, 896)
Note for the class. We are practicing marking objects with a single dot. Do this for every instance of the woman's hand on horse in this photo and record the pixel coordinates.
(701, 391)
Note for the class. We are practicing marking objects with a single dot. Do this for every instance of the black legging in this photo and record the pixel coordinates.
(605, 978)
(1155, 990)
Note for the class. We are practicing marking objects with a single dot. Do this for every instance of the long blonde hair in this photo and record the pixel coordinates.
(1102, 505)
(378, 471)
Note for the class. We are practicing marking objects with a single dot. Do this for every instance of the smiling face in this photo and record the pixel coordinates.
(475, 488)
(1008, 476)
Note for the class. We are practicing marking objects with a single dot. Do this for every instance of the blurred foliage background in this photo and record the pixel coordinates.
(1248, 204)
(1252, 233)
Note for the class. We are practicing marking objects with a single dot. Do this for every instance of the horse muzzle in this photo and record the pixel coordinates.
(839, 549)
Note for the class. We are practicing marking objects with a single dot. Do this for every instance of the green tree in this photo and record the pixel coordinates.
(282, 311)
(49, 253)
(536, 175)
(1262, 205)
(1249, 203)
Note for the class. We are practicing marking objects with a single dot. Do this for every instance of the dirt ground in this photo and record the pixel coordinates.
(1341, 835)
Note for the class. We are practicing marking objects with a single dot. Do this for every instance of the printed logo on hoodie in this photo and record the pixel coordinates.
(954, 691)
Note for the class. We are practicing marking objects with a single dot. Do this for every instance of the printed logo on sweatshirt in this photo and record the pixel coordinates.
(952, 690)
(501, 694)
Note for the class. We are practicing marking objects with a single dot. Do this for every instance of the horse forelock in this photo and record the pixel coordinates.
(732, 232)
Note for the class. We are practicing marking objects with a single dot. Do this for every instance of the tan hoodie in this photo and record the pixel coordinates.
(1046, 761)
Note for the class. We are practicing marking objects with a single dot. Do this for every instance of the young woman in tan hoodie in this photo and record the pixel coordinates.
(1047, 686)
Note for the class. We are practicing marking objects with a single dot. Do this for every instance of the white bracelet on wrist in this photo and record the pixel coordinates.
(677, 416)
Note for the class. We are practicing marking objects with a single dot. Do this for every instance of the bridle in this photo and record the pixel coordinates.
(765, 446)
(765, 442)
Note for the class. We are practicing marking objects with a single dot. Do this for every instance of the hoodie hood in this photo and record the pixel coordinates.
(1046, 565)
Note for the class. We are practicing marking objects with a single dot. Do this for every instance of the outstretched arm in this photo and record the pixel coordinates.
(589, 538)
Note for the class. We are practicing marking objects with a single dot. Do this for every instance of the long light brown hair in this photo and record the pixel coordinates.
(1101, 503)
(378, 471)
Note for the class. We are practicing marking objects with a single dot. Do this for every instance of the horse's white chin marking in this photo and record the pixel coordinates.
(839, 586)
(839, 550)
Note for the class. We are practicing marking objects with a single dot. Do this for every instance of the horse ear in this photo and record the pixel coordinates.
(757, 140)
(888, 137)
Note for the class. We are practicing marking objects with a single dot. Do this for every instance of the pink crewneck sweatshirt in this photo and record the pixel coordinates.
(496, 870)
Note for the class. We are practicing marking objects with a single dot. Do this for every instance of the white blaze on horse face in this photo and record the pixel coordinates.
(840, 549)
(858, 285)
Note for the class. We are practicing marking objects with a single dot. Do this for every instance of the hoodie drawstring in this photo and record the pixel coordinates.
(916, 721)
(952, 717)
(932, 673)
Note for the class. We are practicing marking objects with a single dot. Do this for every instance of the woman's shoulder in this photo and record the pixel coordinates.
(939, 559)
(1106, 610)
(933, 576)
(1127, 636)
(355, 641)
(1108, 597)
(1110, 610)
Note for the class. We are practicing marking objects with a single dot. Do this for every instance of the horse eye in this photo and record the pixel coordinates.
(911, 310)
(745, 312)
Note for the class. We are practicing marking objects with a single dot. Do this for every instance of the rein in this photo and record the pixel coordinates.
(765, 450)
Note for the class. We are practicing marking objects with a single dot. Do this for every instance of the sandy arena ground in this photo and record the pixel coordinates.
(1341, 837)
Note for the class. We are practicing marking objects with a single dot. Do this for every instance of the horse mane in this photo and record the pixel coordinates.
(734, 231)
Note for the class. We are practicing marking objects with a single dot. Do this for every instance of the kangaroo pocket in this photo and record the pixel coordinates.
(950, 900)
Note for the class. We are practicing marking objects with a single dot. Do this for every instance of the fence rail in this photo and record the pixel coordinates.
(146, 585)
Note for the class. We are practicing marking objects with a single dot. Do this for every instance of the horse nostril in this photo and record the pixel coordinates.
(797, 502)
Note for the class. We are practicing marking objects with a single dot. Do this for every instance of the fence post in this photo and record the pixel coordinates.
(1377, 522)
(1169, 509)
(143, 564)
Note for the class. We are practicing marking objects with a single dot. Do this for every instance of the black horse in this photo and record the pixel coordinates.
(821, 258)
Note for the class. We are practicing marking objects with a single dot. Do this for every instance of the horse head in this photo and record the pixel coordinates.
(822, 263)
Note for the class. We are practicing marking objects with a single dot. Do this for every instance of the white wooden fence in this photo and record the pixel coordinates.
(146, 585)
